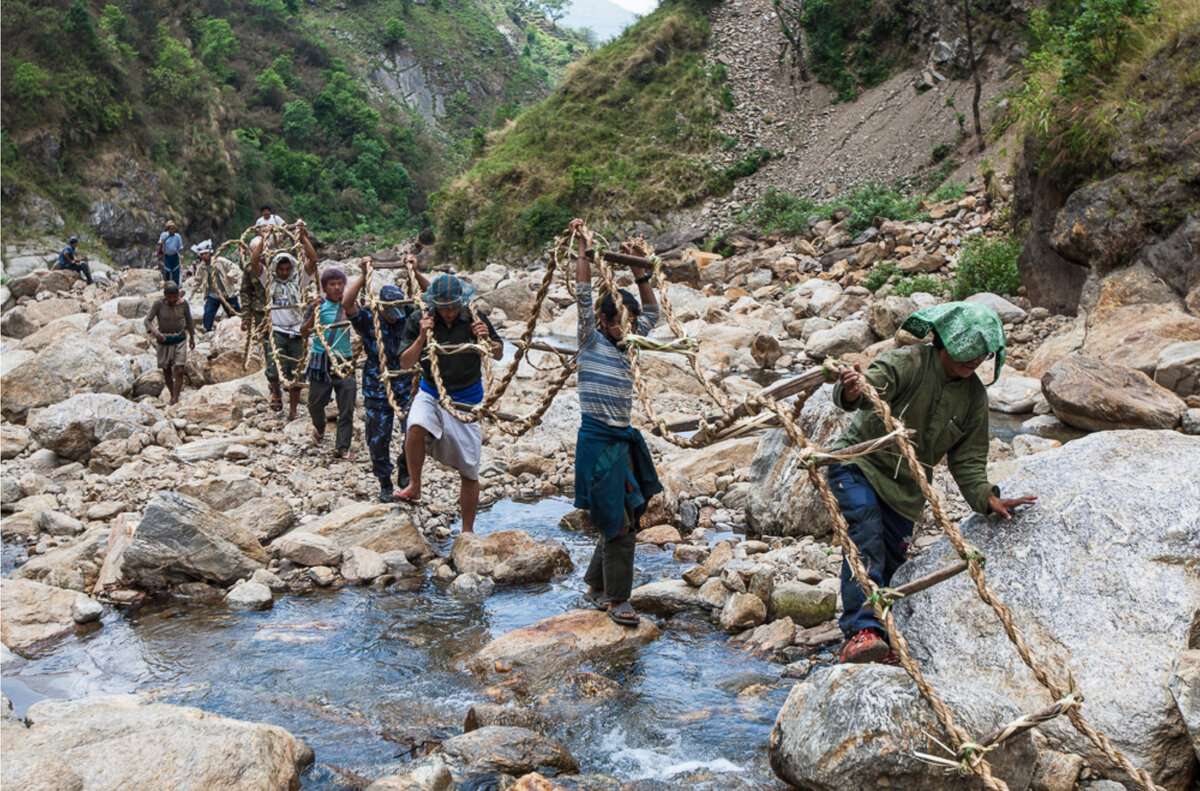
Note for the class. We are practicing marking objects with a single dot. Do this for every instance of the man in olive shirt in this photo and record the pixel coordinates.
(173, 317)
(431, 428)
(933, 390)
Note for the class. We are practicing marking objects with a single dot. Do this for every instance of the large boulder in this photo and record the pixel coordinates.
(1115, 527)
(679, 472)
(265, 517)
(509, 557)
(71, 428)
(75, 566)
(807, 605)
(1185, 689)
(781, 502)
(496, 748)
(857, 726)
(1014, 394)
(558, 643)
(844, 338)
(886, 315)
(665, 597)
(224, 492)
(35, 614)
(1178, 368)
(121, 741)
(1007, 311)
(73, 365)
(376, 526)
(1099, 396)
(180, 539)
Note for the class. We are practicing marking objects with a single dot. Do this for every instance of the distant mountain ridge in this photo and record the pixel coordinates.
(603, 17)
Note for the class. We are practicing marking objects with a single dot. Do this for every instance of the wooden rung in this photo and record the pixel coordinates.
(806, 382)
(928, 581)
(625, 259)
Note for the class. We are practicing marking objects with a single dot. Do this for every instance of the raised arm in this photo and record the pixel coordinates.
(256, 255)
(310, 252)
(415, 266)
(350, 298)
(416, 337)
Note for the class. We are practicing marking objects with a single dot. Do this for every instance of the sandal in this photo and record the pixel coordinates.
(345, 455)
(623, 614)
(405, 496)
(597, 600)
(276, 404)
(317, 438)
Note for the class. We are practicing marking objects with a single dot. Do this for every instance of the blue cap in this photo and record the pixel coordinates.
(448, 292)
(391, 294)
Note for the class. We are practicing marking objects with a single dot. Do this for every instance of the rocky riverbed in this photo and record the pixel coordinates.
(207, 555)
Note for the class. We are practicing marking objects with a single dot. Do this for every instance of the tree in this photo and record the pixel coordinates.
(173, 77)
(553, 10)
(29, 84)
(217, 45)
(394, 31)
(299, 122)
(269, 89)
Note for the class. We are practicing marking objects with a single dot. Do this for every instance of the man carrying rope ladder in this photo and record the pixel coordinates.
(378, 413)
(330, 371)
(215, 278)
(431, 427)
(614, 473)
(933, 389)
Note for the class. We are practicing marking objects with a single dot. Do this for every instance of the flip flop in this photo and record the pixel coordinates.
(276, 404)
(317, 438)
(404, 496)
(597, 600)
(345, 455)
(623, 614)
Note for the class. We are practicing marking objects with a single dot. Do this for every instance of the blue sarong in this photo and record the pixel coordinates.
(605, 483)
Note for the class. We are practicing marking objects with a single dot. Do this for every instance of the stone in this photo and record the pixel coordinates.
(559, 642)
(713, 594)
(74, 365)
(856, 726)
(679, 471)
(265, 517)
(249, 596)
(742, 611)
(1184, 684)
(1115, 525)
(362, 565)
(77, 424)
(665, 598)
(533, 464)
(223, 492)
(1007, 311)
(86, 610)
(769, 638)
(207, 449)
(1178, 368)
(886, 315)
(322, 576)
(847, 337)
(765, 350)
(310, 549)
(1014, 394)
(431, 777)
(180, 539)
(34, 614)
(274, 583)
(1190, 422)
(1056, 771)
(498, 748)
(712, 566)
(1027, 444)
(1044, 426)
(377, 526)
(75, 565)
(807, 605)
(124, 742)
(13, 441)
(1099, 396)
(56, 524)
(509, 557)
(472, 587)
(659, 535)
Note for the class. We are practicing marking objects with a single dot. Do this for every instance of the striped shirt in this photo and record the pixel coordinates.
(605, 382)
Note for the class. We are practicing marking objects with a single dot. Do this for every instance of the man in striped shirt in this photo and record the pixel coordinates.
(614, 474)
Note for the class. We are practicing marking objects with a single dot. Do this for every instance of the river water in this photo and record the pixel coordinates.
(339, 668)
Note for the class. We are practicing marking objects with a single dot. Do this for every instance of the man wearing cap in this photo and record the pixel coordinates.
(173, 318)
(216, 280)
(279, 290)
(330, 371)
(431, 428)
(379, 417)
(68, 260)
(170, 243)
(932, 389)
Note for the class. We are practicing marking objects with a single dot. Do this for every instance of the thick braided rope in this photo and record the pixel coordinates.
(385, 374)
(498, 390)
(989, 596)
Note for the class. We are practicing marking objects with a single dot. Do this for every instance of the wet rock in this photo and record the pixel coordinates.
(713, 594)
(1014, 394)
(1098, 396)
(844, 338)
(1184, 684)
(75, 365)
(274, 583)
(659, 535)
(322, 576)
(807, 605)
(496, 748)
(665, 598)
(742, 611)
(1178, 368)
(721, 554)
(856, 726)
(223, 492)
(124, 742)
(265, 517)
(472, 587)
(432, 777)
(1130, 537)
(75, 566)
(249, 596)
(376, 526)
(86, 610)
(559, 642)
(509, 557)
(180, 539)
(362, 565)
(34, 614)
(1044, 426)
(310, 549)
(769, 638)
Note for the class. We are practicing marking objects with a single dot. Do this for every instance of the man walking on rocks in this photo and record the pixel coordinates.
(331, 363)
(69, 261)
(378, 415)
(431, 428)
(170, 244)
(932, 389)
(614, 473)
(173, 317)
(215, 278)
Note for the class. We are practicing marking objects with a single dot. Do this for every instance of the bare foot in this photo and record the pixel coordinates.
(317, 438)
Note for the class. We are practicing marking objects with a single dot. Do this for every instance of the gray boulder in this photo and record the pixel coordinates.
(496, 748)
(886, 315)
(857, 726)
(224, 492)
(180, 539)
(249, 596)
(73, 427)
(1099, 396)
(472, 587)
(1115, 527)
(1178, 368)
(265, 517)
(844, 338)
(1007, 311)
(73, 365)
(33, 615)
(1014, 394)
(807, 605)
(509, 557)
(665, 597)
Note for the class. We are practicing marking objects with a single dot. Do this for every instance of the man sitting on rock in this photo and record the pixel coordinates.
(216, 279)
(614, 473)
(331, 363)
(933, 390)
(173, 317)
(68, 260)
(431, 428)
(379, 416)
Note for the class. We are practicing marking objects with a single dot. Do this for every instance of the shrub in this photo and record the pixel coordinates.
(542, 221)
(879, 275)
(951, 190)
(299, 123)
(987, 265)
(29, 84)
(269, 89)
(216, 46)
(394, 31)
(907, 286)
(874, 200)
(173, 77)
(780, 211)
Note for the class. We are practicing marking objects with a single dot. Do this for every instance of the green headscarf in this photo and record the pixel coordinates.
(967, 329)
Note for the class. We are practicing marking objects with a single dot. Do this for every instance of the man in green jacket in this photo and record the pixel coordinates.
(933, 390)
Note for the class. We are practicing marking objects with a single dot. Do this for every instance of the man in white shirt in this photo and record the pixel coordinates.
(267, 218)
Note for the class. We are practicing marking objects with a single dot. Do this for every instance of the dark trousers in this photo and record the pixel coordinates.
(379, 420)
(345, 390)
(214, 304)
(881, 535)
(611, 568)
(171, 268)
(80, 267)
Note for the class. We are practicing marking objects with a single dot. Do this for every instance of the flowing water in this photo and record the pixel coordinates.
(339, 668)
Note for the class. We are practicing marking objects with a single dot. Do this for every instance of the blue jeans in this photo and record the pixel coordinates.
(214, 304)
(171, 268)
(80, 267)
(881, 535)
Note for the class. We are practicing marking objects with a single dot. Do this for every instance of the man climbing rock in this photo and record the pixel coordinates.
(614, 473)
(173, 317)
(431, 428)
(330, 371)
(170, 244)
(378, 415)
(932, 389)
(279, 290)
(215, 278)
(69, 261)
